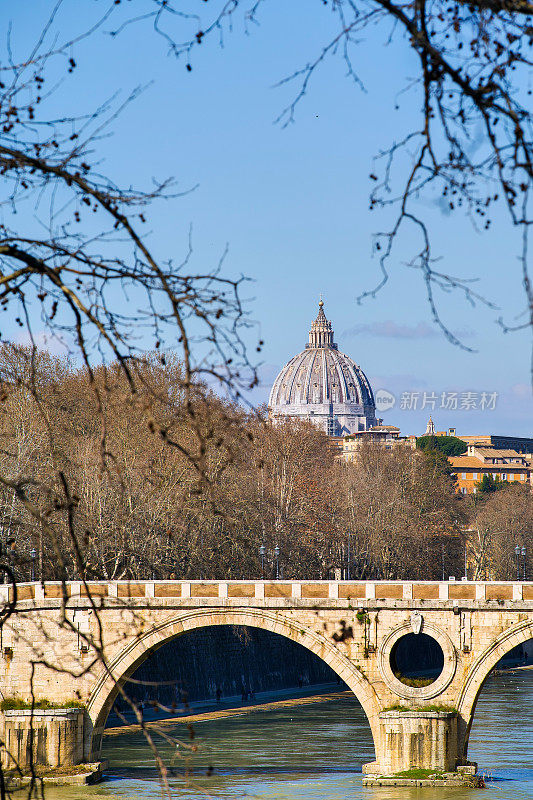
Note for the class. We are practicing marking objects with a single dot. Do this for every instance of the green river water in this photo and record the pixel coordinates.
(315, 752)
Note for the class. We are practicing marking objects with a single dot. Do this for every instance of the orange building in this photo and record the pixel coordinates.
(503, 465)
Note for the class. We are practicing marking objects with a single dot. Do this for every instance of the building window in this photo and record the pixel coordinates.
(332, 426)
(474, 476)
(463, 475)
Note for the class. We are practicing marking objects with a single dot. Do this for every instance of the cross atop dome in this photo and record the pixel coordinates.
(321, 333)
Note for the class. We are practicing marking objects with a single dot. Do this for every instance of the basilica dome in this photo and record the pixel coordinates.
(324, 386)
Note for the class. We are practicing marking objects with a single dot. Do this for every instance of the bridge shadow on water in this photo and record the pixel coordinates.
(268, 770)
(303, 743)
(517, 775)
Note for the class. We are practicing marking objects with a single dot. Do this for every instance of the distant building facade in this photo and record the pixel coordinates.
(386, 436)
(501, 465)
(521, 444)
(324, 386)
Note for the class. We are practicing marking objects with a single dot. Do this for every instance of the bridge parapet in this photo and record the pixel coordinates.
(345, 593)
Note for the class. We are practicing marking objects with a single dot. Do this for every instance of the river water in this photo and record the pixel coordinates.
(315, 752)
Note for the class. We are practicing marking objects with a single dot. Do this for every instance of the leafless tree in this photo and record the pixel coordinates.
(499, 523)
(81, 434)
(77, 269)
(472, 144)
(75, 261)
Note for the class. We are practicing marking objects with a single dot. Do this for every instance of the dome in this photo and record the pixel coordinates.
(324, 386)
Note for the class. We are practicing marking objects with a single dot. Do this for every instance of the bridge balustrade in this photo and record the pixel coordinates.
(497, 591)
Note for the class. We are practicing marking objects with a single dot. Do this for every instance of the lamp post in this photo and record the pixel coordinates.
(524, 560)
(517, 550)
(33, 556)
(4, 554)
(276, 555)
(262, 551)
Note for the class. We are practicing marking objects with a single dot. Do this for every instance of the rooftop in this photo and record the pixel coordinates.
(470, 462)
(390, 428)
(493, 452)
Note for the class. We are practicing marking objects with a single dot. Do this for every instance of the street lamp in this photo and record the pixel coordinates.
(276, 555)
(524, 558)
(33, 556)
(262, 551)
(518, 550)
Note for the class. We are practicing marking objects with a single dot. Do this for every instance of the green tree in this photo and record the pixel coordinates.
(488, 484)
(449, 445)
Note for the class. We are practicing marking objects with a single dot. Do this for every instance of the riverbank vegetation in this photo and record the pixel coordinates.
(19, 704)
(162, 485)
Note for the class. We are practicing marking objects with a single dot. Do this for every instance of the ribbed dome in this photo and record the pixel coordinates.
(321, 376)
(324, 385)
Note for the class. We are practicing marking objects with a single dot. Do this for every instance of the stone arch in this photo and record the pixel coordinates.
(134, 653)
(479, 671)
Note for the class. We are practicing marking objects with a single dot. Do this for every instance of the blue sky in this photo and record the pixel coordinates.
(292, 203)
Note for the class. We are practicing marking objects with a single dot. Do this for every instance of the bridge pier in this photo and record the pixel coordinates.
(48, 744)
(422, 740)
(36, 739)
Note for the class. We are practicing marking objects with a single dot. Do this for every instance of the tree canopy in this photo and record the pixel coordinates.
(488, 484)
(143, 515)
(449, 445)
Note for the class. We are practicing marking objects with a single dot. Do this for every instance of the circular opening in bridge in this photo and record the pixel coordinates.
(417, 659)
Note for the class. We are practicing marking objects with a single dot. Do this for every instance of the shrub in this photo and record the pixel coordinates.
(18, 704)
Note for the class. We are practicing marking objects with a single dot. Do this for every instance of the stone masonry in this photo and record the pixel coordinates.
(80, 643)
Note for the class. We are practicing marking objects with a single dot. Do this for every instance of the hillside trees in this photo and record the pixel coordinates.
(500, 523)
(294, 497)
(449, 445)
(142, 483)
(140, 513)
(402, 507)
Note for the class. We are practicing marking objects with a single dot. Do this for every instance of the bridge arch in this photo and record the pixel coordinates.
(515, 635)
(124, 664)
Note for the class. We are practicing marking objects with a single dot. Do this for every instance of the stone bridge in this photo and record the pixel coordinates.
(81, 641)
